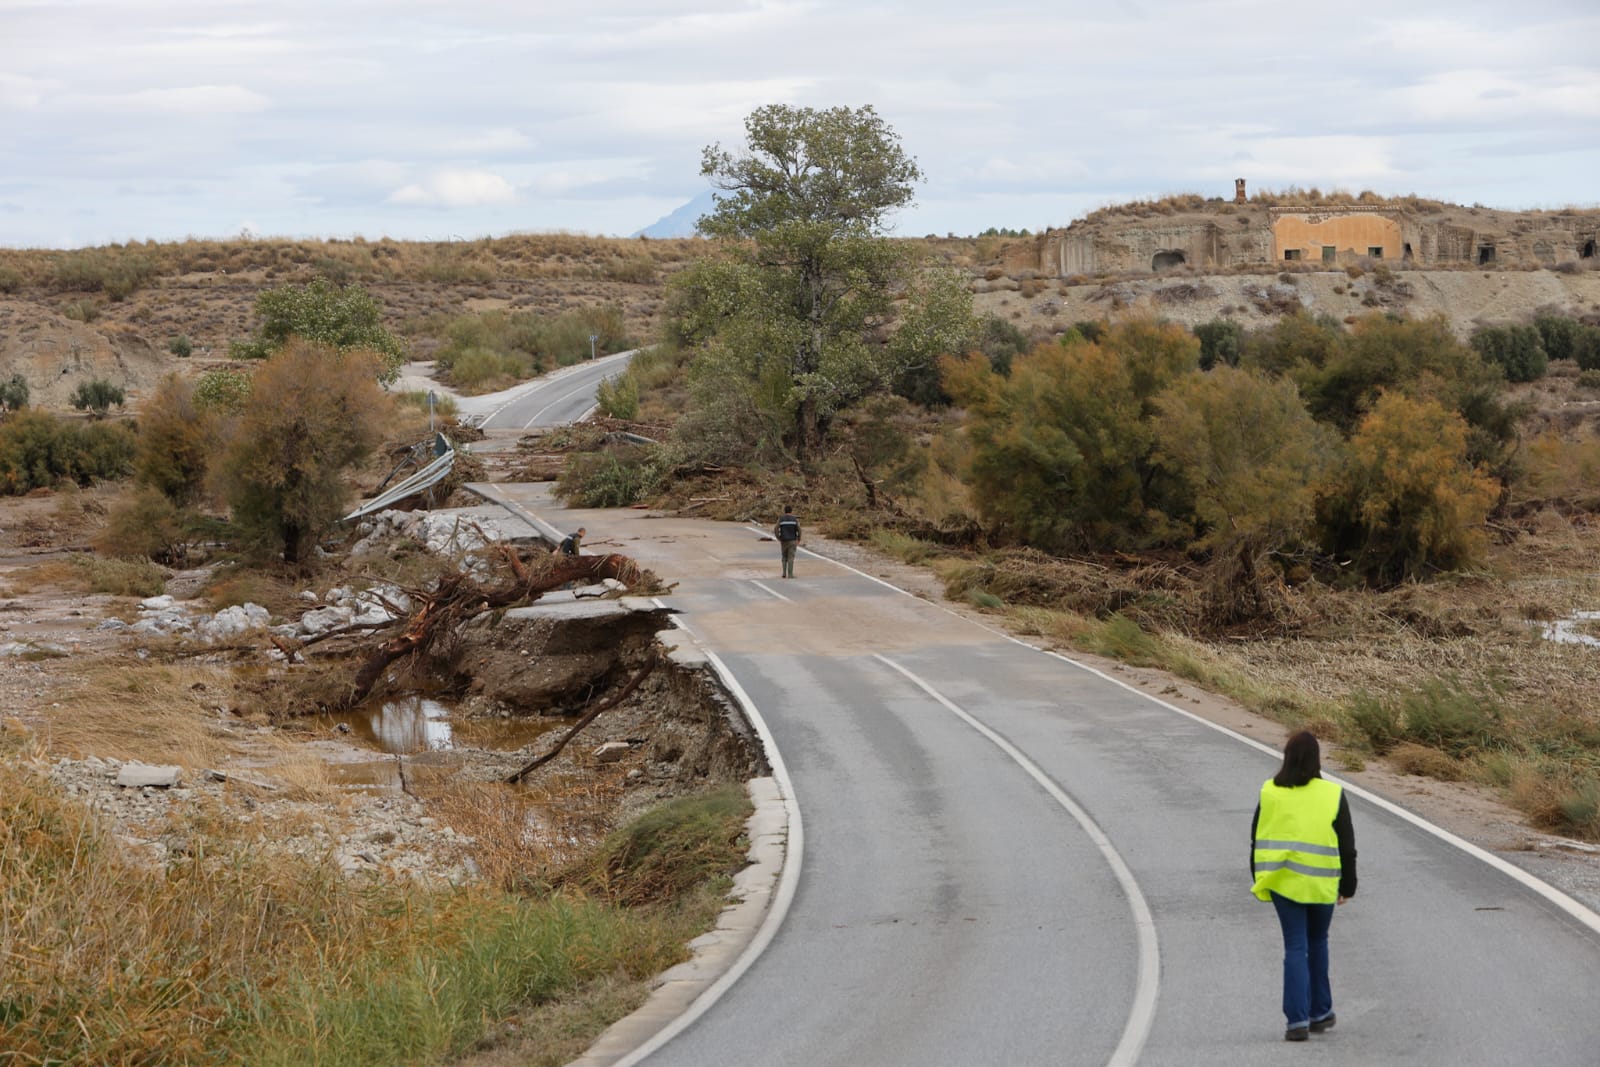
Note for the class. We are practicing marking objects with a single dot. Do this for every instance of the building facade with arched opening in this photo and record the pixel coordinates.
(1220, 234)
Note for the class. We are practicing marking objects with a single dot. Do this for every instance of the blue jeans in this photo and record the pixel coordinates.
(1307, 996)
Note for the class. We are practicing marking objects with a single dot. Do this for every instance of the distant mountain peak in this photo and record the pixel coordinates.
(680, 223)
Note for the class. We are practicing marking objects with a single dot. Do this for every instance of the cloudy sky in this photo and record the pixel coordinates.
(160, 119)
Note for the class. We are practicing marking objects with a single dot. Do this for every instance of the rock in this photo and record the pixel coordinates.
(308, 596)
(231, 622)
(142, 775)
(319, 620)
(612, 751)
(157, 603)
(112, 624)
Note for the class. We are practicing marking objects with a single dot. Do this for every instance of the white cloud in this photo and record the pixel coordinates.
(310, 117)
(456, 188)
(1490, 98)
(193, 100)
(18, 93)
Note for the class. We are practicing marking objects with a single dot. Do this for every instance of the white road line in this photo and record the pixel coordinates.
(788, 881)
(564, 396)
(1574, 908)
(1148, 982)
(770, 591)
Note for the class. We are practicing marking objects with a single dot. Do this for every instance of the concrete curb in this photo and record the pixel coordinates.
(761, 892)
(715, 952)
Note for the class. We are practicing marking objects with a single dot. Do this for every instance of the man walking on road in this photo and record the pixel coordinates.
(788, 534)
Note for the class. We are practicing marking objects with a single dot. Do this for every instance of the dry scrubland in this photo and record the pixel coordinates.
(160, 926)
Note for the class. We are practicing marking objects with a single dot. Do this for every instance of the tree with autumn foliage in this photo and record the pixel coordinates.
(313, 413)
(1409, 499)
(1252, 459)
(1061, 447)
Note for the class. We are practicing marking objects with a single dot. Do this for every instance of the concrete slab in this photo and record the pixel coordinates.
(140, 775)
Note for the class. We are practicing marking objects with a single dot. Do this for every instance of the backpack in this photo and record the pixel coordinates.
(788, 528)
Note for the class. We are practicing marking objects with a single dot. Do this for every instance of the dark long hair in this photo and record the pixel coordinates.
(1302, 761)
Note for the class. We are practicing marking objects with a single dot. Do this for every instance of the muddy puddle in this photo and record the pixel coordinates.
(1581, 628)
(413, 725)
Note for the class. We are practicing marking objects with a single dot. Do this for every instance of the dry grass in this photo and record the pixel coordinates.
(152, 712)
(85, 573)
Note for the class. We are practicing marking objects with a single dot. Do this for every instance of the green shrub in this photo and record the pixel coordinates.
(144, 525)
(347, 319)
(38, 450)
(903, 547)
(1517, 350)
(618, 397)
(444, 404)
(1557, 334)
(1589, 379)
(612, 479)
(483, 370)
(1445, 716)
(1377, 721)
(97, 395)
(1580, 807)
(1586, 347)
(222, 390)
(525, 343)
(84, 311)
(1441, 713)
(14, 393)
(1221, 341)
(181, 346)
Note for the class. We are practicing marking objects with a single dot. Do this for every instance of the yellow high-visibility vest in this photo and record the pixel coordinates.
(1296, 850)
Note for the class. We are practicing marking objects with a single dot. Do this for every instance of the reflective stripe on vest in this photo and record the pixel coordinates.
(1296, 851)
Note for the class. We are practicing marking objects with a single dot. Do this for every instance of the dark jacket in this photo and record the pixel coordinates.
(569, 545)
(788, 528)
(1343, 829)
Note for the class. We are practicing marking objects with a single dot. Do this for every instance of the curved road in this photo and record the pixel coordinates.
(563, 396)
(1011, 859)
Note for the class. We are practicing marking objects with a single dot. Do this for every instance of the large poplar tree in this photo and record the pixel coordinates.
(804, 216)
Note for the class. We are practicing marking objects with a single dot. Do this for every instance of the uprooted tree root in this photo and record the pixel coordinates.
(459, 597)
(515, 578)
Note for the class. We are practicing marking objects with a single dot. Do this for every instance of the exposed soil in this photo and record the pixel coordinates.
(312, 785)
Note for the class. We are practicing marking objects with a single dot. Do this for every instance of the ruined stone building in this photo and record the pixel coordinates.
(1239, 233)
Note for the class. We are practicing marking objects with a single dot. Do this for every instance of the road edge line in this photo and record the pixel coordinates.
(792, 834)
(1147, 983)
(1573, 907)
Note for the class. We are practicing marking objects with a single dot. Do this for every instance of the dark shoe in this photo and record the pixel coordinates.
(1299, 1033)
(1319, 1025)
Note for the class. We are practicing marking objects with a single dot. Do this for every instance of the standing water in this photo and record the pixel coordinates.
(1577, 629)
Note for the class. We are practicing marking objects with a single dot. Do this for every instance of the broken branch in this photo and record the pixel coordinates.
(589, 717)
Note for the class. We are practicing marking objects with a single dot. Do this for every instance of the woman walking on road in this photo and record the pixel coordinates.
(1303, 858)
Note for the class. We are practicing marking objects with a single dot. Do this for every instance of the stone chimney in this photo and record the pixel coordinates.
(1238, 191)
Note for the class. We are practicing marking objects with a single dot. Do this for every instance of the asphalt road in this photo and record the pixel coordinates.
(563, 397)
(1011, 859)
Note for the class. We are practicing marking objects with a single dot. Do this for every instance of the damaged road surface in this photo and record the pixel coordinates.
(1010, 858)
